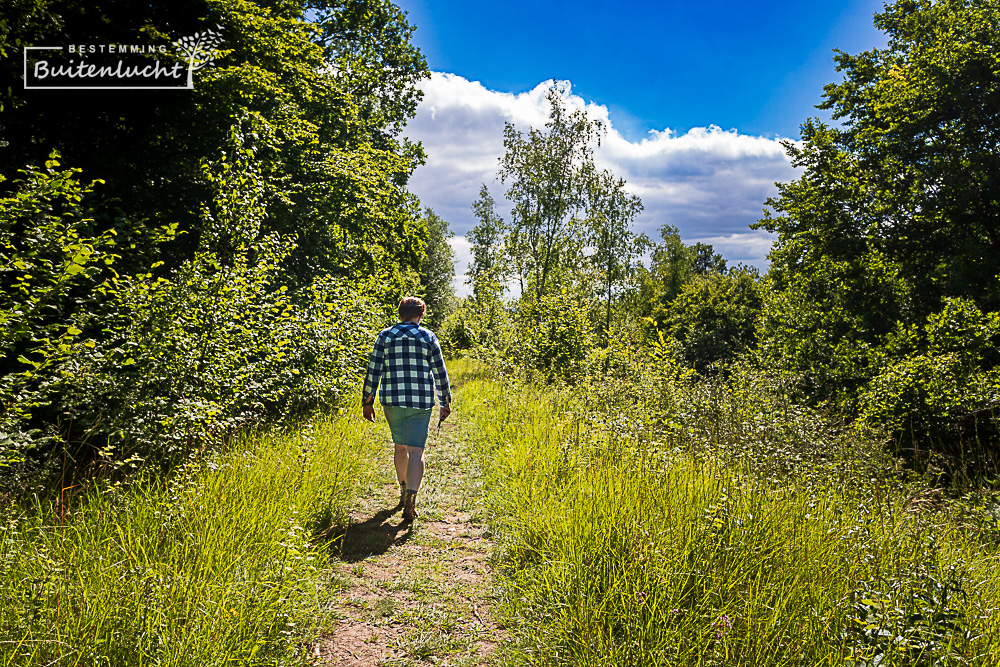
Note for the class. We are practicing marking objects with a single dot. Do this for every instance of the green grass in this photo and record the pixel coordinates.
(217, 564)
(690, 525)
(624, 543)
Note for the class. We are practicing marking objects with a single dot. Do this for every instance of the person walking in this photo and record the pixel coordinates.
(405, 364)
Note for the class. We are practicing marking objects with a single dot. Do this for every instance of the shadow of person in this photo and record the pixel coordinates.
(372, 537)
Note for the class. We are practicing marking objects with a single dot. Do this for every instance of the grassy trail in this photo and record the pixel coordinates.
(419, 591)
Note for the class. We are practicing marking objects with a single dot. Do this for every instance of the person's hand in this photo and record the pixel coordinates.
(445, 411)
(369, 412)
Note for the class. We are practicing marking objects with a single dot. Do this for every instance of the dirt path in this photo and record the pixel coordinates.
(417, 592)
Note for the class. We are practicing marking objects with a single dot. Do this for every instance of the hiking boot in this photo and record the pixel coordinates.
(402, 495)
(410, 506)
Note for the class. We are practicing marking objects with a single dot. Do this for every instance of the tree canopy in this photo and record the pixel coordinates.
(322, 90)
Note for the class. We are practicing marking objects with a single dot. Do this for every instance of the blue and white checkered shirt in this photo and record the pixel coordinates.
(405, 358)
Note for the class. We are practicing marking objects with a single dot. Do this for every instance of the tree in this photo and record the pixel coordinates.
(896, 214)
(706, 260)
(438, 270)
(940, 387)
(835, 294)
(548, 174)
(671, 267)
(616, 248)
(281, 177)
(553, 336)
(326, 85)
(913, 176)
(921, 124)
(714, 317)
(487, 271)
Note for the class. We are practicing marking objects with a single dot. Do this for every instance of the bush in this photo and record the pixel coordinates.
(144, 366)
(939, 389)
(463, 329)
(715, 317)
(553, 336)
(194, 359)
(52, 260)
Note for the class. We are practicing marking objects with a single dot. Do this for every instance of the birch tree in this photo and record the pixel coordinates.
(616, 248)
(487, 271)
(547, 172)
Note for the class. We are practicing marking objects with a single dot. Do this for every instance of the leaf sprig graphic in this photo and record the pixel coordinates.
(200, 48)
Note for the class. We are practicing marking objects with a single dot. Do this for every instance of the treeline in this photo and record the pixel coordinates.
(882, 300)
(178, 266)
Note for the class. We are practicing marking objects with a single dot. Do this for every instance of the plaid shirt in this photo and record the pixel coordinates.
(404, 359)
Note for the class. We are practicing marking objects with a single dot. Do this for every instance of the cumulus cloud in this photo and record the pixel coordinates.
(708, 182)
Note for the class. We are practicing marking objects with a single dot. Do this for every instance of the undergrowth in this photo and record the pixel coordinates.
(675, 522)
(216, 564)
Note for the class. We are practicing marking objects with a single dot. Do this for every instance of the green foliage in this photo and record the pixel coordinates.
(553, 336)
(437, 271)
(673, 265)
(834, 298)
(895, 216)
(49, 251)
(569, 232)
(940, 387)
(714, 317)
(52, 260)
(649, 375)
(327, 86)
(616, 248)
(548, 173)
(920, 621)
(162, 365)
(460, 331)
(473, 326)
(231, 268)
(921, 123)
(488, 268)
(706, 260)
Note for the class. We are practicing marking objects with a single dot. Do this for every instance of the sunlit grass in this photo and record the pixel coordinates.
(215, 564)
(617, 548)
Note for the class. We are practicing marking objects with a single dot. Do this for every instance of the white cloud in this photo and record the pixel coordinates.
(463, 257)
(710, 183)
(741, 248)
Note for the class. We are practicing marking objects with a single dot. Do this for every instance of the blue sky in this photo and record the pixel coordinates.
(696, 96)
(758, 67)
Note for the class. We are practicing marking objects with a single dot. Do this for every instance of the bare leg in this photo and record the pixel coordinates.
(415, 469)
(401, 459)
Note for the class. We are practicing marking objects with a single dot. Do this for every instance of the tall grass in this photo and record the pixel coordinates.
(216, 564)
(663, 538)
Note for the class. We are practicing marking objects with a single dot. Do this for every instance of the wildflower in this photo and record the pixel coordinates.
(722, 625)
(641, 596)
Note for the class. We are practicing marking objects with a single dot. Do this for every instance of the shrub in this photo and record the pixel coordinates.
(553, 336)
(715, 317)
(52, 259)
(940, 386)
(133, 367)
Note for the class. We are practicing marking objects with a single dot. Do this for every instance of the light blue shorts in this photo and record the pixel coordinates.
(409, 426)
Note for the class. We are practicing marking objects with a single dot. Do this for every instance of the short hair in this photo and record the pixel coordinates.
(410, 308)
